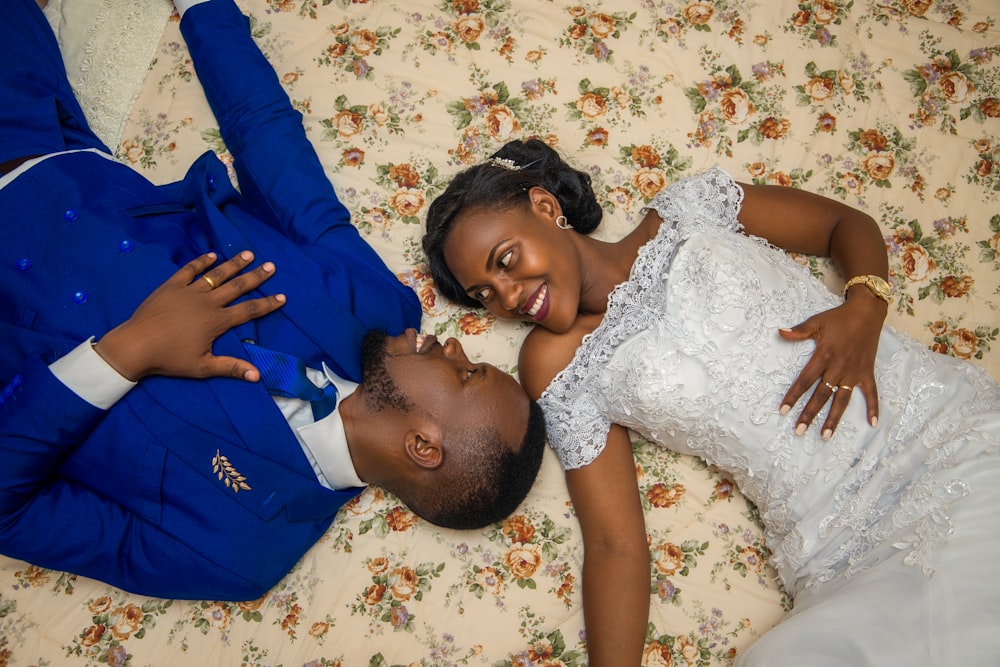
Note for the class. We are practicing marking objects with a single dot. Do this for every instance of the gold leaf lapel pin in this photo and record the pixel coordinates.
(228, 474)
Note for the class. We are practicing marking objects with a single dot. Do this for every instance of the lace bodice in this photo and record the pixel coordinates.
(689, 356)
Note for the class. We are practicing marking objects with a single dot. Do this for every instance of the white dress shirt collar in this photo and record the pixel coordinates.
(326, 441)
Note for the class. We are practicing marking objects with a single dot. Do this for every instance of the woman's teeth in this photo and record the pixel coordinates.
(537, 305)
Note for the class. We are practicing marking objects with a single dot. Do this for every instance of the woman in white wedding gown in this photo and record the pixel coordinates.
(882, 521)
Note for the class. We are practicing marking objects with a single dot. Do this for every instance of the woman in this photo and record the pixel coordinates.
(679, 331)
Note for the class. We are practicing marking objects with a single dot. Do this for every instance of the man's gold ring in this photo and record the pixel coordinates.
(208, 280)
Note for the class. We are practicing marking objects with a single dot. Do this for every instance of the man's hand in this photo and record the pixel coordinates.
(172, 331)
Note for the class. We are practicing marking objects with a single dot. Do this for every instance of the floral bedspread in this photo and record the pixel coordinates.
(892, 106)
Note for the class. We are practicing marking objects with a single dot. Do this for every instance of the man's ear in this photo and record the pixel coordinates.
(423, 446)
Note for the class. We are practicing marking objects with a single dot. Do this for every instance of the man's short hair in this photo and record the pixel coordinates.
(484, 480)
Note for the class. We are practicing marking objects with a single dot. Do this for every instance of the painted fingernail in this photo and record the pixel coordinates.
(801, 428)
(827, 433)
(784, 409)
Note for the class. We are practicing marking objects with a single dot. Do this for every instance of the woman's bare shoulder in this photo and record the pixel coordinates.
(545, 353)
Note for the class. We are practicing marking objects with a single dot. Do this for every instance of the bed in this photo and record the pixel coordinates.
(890, 106)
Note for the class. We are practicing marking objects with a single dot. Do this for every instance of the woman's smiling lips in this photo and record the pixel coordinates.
(537, 306)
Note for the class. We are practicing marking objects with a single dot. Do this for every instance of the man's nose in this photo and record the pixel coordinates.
(453, 350)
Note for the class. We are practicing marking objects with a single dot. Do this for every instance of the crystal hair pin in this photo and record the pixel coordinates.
(503, 163)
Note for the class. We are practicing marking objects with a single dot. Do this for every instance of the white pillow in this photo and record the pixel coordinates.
(107, 46)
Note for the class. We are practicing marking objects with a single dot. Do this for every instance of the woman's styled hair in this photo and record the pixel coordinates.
(500, 183)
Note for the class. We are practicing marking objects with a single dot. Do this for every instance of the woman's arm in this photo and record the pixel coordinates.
(605, 496)
(616, 576)
(847, 336)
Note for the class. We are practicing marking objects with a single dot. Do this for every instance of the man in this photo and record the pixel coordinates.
(157, 458)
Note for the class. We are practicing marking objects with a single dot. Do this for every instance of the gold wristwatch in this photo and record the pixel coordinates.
(878, 286)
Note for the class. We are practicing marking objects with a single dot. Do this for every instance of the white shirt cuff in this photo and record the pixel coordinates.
(90, 377)
(184, 5)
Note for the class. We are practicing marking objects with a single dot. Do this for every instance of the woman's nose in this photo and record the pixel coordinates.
(510, 295)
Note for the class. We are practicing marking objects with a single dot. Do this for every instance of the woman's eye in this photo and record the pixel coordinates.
(483, 294)
(504, 260)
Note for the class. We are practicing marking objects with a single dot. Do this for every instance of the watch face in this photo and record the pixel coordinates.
(879, 285)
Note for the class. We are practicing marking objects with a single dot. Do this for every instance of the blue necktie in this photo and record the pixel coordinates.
(285, 375)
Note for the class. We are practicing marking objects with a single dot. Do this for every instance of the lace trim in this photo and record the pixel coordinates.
(719, 197)
(120, 45)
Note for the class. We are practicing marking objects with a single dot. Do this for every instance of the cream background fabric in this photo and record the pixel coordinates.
(892, 106)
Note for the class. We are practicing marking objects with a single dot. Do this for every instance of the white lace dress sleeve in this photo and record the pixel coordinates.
(577, 428)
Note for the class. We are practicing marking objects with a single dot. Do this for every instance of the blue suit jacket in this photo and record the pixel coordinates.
(132, 495)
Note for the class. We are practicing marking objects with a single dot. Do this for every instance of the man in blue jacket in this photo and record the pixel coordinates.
(149, 436)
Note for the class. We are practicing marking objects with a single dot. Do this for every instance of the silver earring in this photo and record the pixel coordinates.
(563, 223)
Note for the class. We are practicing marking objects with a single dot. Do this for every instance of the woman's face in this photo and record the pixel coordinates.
(518, 263)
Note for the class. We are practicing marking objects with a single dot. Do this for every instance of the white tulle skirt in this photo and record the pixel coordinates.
(893, 614)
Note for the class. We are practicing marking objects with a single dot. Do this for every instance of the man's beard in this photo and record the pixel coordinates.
(379, 389)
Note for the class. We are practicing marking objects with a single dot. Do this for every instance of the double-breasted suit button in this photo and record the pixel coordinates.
(71, 215)
(80, 297)
(126, 245)
(211, 182)
(24, 264)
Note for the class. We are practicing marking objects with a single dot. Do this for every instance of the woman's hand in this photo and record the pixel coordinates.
(172, 330)
(842, 363)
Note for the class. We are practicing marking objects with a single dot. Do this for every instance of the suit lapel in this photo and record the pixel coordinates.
(247, 450)
(290, 477)
(311, 325)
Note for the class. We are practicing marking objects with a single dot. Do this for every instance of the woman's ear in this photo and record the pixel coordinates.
(544, 203)
(424, 448)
